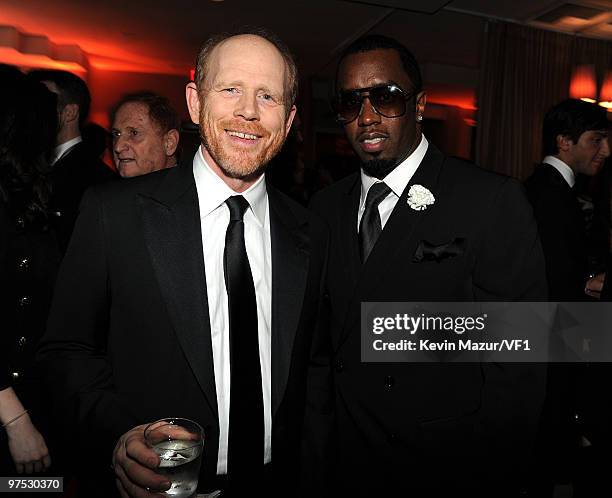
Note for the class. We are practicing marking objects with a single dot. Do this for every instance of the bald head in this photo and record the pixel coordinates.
(242, 106)
(249, 37)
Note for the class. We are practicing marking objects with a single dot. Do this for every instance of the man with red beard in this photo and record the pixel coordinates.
(192, 292)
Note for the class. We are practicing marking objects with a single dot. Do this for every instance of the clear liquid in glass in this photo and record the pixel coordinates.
(180, 463)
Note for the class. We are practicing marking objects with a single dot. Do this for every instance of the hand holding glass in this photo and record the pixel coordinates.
(179, 444)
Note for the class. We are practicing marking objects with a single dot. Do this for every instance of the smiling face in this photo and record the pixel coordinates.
(241, 108)
(381, 143)
(588, 154)
(139, 145)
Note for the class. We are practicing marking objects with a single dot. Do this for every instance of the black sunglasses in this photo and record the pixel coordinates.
(387, 100)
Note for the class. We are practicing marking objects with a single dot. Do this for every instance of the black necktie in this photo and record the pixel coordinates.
(246, 419)
(371, 226)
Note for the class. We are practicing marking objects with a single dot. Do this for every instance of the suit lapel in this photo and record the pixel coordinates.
(398, 233)
(349, 240)
(290, 255)
(172, 232)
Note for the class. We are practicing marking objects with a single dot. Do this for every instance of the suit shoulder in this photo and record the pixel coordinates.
(330, 194)
(462, 172)
(128, 187)
(299, 212)
(481, 186)
(548, 192)
(545, 181)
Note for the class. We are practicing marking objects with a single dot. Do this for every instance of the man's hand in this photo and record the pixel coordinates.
(594, 285)
(134, 464)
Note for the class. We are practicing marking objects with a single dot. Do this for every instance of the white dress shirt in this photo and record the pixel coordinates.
(61, 149)
(396, 181)
(214, 218)
(566, 172)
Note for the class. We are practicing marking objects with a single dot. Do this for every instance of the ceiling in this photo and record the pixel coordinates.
(163, 37)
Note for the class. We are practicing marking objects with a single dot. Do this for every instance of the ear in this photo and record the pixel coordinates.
(421, 100)
(70, 112)
(564, 142)
(171, 141)
(193, 102)
(290, 120)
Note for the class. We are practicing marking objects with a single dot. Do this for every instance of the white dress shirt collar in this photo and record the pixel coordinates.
(216, 191)
(400, 176)
(61, 149)
(563, 168)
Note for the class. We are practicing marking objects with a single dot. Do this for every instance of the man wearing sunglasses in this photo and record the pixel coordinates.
(415, 225)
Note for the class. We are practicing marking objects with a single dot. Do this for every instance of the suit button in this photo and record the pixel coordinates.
(339, 366)
(22, 341)
(15, 375)
(389, 381)
(391, 438)
(24, 301)
(23, 264)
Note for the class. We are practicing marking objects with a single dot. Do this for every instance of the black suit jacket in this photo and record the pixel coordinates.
(431, 428)
(76, 171)
(128, 338)
(562, 231)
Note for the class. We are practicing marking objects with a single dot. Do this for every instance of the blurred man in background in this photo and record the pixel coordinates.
(145, 134)
(74, 165)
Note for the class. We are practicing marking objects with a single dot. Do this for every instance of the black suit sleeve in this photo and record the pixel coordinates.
(510, 262)
(317, 438)
(560, 226)
(73, 350)
(510, 267)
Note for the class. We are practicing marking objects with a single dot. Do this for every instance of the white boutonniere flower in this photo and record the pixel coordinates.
(419, 198)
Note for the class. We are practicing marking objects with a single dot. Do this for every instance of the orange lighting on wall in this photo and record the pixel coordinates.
(451, 95)
(16, 58)
(605, 96)
(583, 85)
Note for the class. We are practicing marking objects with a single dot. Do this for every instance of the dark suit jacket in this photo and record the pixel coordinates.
(562, 231)
(578, 403)
(71, 175)
(429, 428)
(128, 338)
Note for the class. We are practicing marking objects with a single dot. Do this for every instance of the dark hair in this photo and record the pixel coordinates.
(28, 120)
(571, 118)
(380, 42)
(72, 89)
(291, 81)
(160, 109)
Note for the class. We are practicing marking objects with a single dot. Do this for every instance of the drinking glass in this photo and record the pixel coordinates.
(179, 443)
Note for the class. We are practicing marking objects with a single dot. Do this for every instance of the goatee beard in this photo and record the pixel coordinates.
(379, 168)
(236, 164)
(233, 168)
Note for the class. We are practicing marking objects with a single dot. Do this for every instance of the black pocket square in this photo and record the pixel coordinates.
(426, 251)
